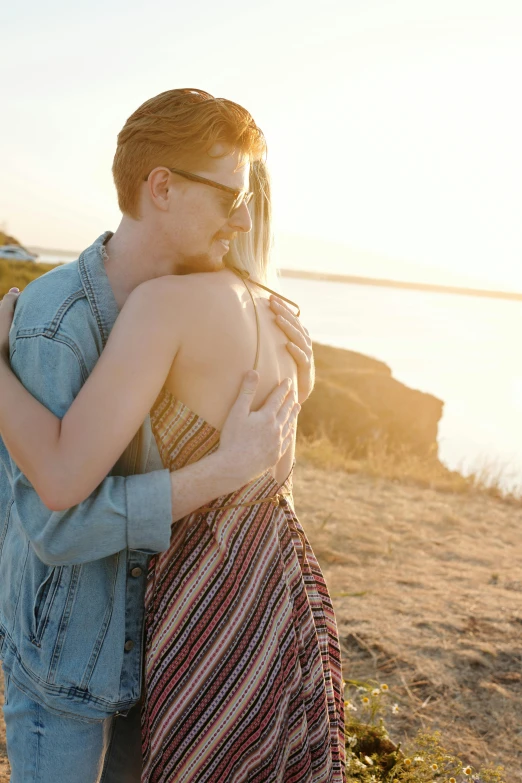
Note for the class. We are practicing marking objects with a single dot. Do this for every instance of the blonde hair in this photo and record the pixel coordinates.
(177, 129)
(251, 252)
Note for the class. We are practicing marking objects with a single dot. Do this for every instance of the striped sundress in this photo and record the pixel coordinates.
(242, 660)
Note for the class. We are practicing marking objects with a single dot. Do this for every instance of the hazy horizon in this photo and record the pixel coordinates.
(306, 254)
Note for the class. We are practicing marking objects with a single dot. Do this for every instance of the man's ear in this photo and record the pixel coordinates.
(158, 188)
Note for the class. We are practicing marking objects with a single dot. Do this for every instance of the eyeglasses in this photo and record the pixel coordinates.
(240, 196)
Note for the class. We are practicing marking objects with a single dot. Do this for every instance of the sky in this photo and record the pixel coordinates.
(394, 126)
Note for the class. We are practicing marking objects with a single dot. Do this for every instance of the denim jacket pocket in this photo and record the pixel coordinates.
(43, 602)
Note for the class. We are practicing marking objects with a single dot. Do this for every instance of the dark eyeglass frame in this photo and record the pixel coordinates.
(240, 196)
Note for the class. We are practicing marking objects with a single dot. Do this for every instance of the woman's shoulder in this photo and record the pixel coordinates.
(181, 286)
(161, 293)
(168, 298)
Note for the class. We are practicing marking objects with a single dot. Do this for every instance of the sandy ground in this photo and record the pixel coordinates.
(427, 588)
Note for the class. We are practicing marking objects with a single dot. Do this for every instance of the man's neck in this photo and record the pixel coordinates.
(132, 257)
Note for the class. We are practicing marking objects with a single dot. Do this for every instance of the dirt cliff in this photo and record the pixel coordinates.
(357, 402)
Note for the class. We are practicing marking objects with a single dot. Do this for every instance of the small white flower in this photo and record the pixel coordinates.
(376, 692)
(418, 758)
(395, 709)
(368, 761)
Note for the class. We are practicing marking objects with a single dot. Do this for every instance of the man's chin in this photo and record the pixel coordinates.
(200, 263)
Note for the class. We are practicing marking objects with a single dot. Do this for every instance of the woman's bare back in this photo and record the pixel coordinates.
(219, 339)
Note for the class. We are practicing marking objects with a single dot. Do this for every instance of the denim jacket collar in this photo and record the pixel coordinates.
(97, 286)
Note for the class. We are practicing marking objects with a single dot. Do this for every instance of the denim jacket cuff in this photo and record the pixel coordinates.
(149, 511)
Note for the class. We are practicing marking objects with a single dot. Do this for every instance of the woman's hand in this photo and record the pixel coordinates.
(299, 346)
(253, 441)
(7, 308)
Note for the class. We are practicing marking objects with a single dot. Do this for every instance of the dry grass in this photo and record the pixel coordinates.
(20, 274)
(406, 467)
(427, 587)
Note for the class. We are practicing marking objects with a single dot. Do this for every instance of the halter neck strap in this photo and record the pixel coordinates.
(246, 276)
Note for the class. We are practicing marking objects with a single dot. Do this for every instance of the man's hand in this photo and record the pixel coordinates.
(253, 441)
(7, 308)
(299, 346)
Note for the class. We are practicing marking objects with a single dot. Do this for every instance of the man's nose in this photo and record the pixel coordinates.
(240, 219)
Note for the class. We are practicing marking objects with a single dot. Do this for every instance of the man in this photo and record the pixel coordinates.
(73, 580)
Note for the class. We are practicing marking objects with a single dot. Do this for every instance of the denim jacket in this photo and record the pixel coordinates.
(72, 583)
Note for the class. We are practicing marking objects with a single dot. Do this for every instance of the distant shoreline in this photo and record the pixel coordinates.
(350, 279)
(51, 251)
(438, 289)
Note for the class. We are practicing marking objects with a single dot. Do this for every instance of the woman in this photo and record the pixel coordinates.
(242, 665)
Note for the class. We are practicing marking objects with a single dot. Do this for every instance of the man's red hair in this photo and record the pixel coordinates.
(177, 129)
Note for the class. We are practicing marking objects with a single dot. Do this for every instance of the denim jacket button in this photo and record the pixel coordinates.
(129, 644)
(136, 572)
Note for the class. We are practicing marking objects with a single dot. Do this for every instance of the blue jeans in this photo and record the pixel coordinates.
(44, 747)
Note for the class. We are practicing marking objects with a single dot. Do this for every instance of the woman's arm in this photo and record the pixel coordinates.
(78, 451)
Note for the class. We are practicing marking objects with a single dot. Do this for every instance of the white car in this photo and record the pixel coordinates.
(16, 253)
